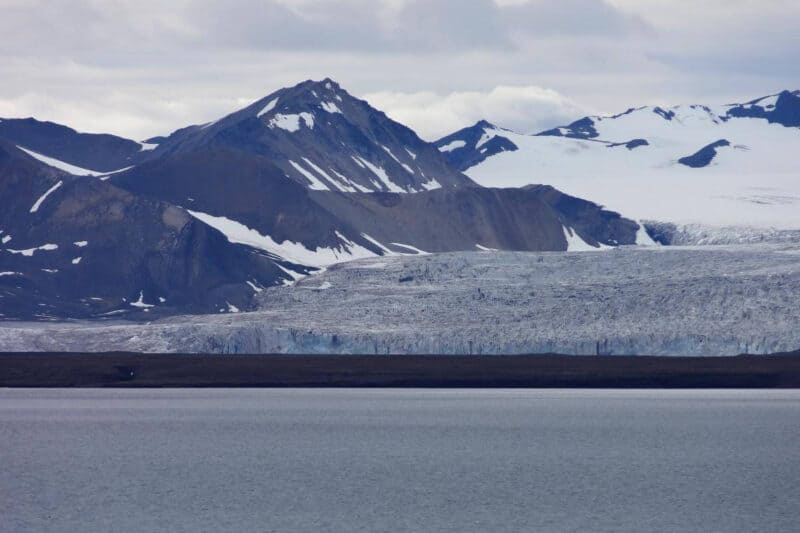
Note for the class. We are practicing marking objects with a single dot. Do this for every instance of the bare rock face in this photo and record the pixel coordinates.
(660, 301)
(73, 247)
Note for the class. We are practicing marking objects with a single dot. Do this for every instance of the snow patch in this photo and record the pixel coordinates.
(30, 251)
(416, 251)
(642, 238)
(576, 244)
(346, 187)
(140, 302)
(255, 287)
(117, 312)
(269, 107)
(408, 168)
(294, 252)
(351, 186)
(77, 260)
(485, 248)
(316, 184)
(232, 308)
(6, 238)
(381, 175)
(391, 154)
(146, 147)
(431, 185)
(66, 167)
(81, 244)
(378, 244)
(330, 107)
(9, 274)
(449, 147)
(43, 197)
(292, 274)
(291, 123)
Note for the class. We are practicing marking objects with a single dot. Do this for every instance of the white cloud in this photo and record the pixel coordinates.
(526, 109)
(146, 67)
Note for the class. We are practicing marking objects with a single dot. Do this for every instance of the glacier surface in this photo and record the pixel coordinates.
(714, 300)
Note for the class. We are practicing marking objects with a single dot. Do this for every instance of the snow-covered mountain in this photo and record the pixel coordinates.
(206, 218)
(722, 166)
(298, 148)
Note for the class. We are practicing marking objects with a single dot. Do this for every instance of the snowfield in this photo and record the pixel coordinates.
(753, 182)
(721, 300)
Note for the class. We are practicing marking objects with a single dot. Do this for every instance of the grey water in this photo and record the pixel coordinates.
(398, 460)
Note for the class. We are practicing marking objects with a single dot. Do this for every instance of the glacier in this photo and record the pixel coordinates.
(657, 300)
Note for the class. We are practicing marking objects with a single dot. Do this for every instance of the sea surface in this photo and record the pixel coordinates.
(223, 460)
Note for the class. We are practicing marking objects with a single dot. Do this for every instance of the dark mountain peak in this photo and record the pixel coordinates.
(583, 128)
(782, 108)
(483, 123)
(323, 84)
(31, 122)
(99, 152)
(471, 145)
(304, 96)
(316, 134)
(664, 113)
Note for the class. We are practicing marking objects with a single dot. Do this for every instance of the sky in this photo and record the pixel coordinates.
(140, 68)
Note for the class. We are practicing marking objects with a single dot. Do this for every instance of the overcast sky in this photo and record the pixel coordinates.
(140, 68)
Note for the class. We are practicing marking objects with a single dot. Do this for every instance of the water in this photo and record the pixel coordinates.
(398, 460)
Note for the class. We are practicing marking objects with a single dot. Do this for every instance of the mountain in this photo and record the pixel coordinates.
(318, 135)
(473, 145)
(73, 152)
(204, 219)
(714, 166)
(315, 133)
(322, 218)
(80, 247)
(782, 108)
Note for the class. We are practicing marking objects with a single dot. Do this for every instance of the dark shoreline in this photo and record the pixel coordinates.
(529, 371)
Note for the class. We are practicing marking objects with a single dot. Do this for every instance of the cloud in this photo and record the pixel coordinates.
(146, 67)
(525, 109)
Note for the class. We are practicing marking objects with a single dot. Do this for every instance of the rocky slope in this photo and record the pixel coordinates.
(79, 247)
(321, 137)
